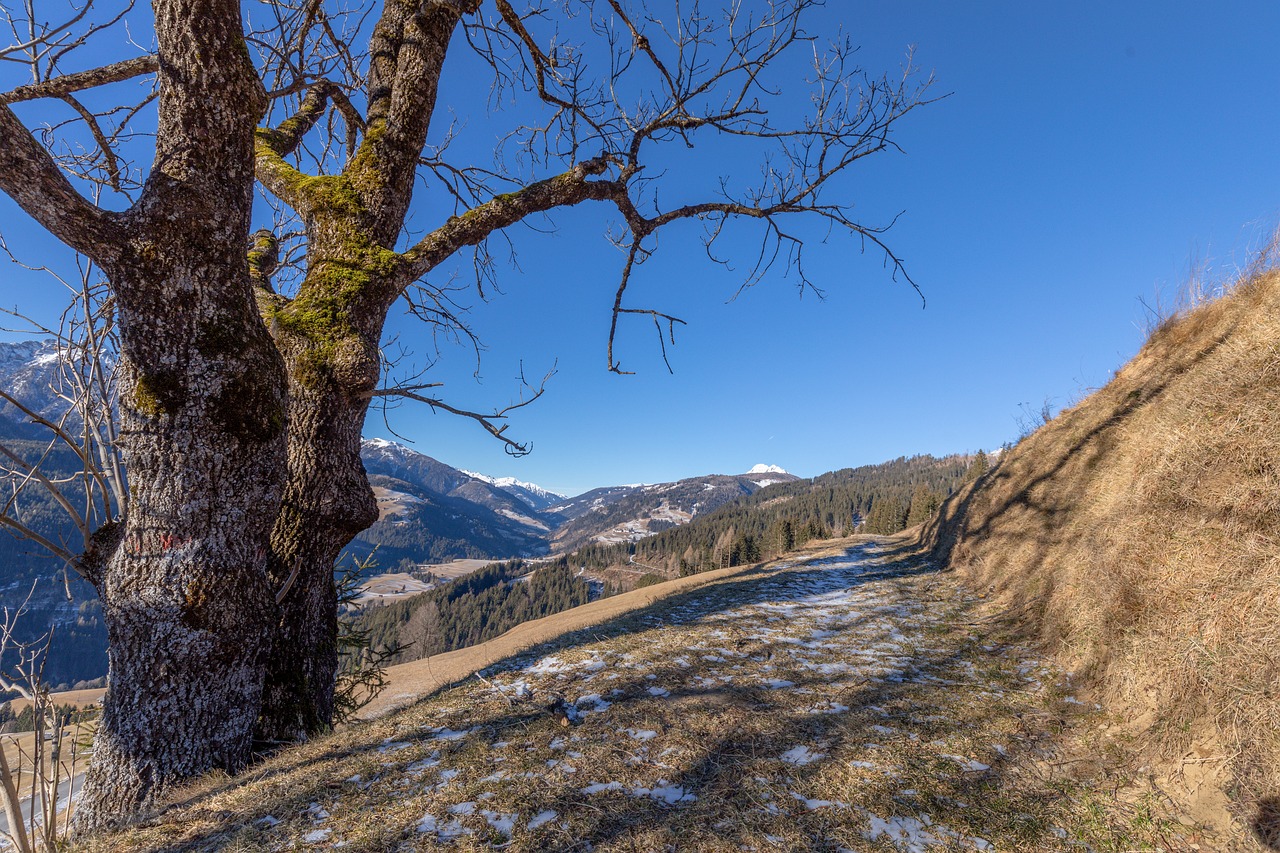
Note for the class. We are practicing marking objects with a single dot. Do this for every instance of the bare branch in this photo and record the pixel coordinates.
(285, 139)
(67, 84)
(570, 188)
(28, 533)
(486, 420)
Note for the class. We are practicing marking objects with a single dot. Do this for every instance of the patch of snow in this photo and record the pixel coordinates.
(800, 755)
(601, 787)
(597, 703)
(504, 824)
(669, 794)
(663, 792)
(388, 746)
(968, 764)
(916, 835)
(761, 468)
(542, 818)
(829, 708)
(445, 831)
(813, 805)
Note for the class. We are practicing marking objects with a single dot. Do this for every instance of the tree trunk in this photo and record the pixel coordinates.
(186, 598)
(327, 502)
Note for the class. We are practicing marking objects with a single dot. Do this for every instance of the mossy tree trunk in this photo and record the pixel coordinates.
(242, 407)
(329, 334)
(327, 501)
(186, 598)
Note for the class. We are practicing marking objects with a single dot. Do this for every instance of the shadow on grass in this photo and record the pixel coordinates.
(737, 740)
(1266, 823)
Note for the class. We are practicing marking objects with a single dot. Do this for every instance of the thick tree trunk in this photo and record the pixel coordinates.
(186, 597)
(327, 502)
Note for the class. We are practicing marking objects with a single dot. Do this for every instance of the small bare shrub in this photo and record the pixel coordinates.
(43, 776)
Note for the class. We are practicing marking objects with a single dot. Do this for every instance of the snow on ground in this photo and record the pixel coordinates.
(832, 705)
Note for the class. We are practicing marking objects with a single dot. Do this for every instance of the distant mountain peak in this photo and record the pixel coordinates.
(512, 482)
(767, 469)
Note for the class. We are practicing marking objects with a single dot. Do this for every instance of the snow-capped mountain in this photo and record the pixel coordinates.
(433, 511)
(29, 372)
(630, 513)
(531, 493)
(761, 468)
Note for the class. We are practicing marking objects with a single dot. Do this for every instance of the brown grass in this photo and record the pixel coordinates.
(1139, 532)
(407, 682)
(815, 706)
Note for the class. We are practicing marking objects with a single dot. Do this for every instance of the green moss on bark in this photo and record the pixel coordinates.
(158, 393)
(321, 318)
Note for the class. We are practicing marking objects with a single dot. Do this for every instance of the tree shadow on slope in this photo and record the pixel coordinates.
(912, 746)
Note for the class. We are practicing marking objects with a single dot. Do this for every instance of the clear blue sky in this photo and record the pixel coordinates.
(1090, 154)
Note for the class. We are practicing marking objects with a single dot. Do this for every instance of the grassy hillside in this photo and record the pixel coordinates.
(856, 701)
(1139, 533)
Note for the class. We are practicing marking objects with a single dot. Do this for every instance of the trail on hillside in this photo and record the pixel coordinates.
(851, 704)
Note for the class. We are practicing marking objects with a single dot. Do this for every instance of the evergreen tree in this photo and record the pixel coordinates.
(887, 516)
(924, 503)
(978, 467)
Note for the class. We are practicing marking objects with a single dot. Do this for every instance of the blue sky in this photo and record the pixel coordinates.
(1090, 154)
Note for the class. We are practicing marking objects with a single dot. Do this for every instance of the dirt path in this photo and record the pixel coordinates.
(409, 682)
(855, 703)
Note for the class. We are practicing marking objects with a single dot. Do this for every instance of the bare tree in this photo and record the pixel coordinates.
(45, 774)
(245, 376)
(91, 493)
(422, 631)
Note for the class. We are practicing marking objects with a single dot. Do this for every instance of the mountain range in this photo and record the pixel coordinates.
(429, 512)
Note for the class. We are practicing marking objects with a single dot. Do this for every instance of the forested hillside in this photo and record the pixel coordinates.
(632, 513)
(880, 498)
(31, 577)
(472, 609)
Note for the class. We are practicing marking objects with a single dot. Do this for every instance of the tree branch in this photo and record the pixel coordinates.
(563, 190)
(285, 138)
(27, 533)
(512, 447)
(69, 83)
(29, 175)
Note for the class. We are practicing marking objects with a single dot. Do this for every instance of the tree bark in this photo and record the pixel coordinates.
(329, 336)
(327, 502)
(186, 596)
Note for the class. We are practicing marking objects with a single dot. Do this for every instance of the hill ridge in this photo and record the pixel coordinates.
(1138, 533)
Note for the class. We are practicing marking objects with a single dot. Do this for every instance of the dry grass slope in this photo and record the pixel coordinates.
(862, 702)
(1139, 532)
